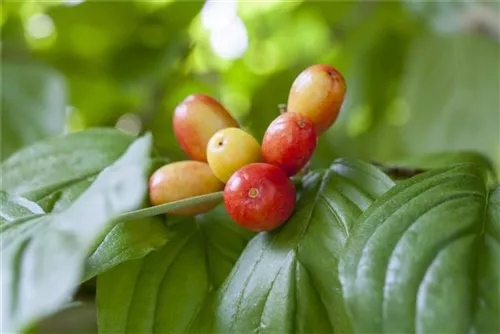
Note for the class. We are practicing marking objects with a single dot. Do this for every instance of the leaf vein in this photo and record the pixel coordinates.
(162, 282)
(341, 222)
(434, 207)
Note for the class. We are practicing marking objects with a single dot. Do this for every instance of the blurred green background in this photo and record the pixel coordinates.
(422, 76)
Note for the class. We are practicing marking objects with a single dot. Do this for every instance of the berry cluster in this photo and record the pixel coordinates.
(258, 194)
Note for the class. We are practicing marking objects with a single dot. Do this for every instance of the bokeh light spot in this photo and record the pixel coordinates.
(215, 14)
(231, 41)
(129, 123)
(73, 2)
(40, 26)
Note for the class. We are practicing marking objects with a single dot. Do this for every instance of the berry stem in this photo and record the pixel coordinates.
(282, 108)
(172, 206)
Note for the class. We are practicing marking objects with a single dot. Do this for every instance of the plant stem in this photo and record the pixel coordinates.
(172, 206)
(183, 203)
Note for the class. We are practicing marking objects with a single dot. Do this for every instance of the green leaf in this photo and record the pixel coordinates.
(425, 105)
(41, 271)
(456, 114)
(446, 159)
(136, 234)
(164, 292)
(33, 105)
(126, 241)
(16, 207)
(488, 271)
(64, 176)
(46, 171)
(286, 281)
(424, 257)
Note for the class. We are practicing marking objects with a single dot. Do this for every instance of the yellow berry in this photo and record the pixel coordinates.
(230, 149)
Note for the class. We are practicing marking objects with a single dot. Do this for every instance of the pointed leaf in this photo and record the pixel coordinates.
(424, 258)
(61, 182)
(286, 281)
(41, 271)
(164, 292)
(49, 167)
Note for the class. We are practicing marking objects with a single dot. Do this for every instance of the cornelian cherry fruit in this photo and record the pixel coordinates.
(230, 149)
(289, 142)
(259, 197)
(181, 180)
(195, 120)
(318, 93)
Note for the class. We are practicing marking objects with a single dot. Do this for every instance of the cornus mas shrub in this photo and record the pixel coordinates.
(245, 238)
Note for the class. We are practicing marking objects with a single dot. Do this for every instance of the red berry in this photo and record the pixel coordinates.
(289, 142)
(259, 197)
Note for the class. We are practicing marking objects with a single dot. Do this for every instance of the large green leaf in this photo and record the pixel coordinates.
(52, 169)
(456, 114)
(286, 281)
(41, 271)
(61, 179)
(164, 292)
(424, 258)
(33, 105)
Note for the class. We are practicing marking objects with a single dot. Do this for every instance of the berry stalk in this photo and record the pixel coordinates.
(172, 206)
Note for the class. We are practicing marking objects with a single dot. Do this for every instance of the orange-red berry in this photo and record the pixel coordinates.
(195, 121)
(318, 93)
(289, 142)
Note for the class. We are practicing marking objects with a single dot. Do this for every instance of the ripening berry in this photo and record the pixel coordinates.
(259, 197)
(195, 120)
(318, 93)
(289, 142)
(181, 180)
(230, 149)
